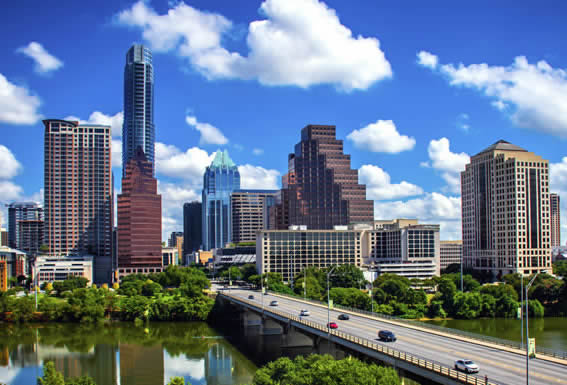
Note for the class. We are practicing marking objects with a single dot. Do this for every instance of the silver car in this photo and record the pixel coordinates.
(466, 366)
(304, 313)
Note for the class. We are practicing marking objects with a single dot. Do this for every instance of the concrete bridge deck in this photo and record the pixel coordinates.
(422, 352)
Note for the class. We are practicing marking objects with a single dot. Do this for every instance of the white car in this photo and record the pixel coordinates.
(304, 313)
(466, 366)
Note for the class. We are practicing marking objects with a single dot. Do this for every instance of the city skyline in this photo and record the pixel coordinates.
(431, 111)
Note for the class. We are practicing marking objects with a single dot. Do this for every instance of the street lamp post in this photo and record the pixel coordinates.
(521, 310)
(329, 308)
(305, 283)
(527, 328)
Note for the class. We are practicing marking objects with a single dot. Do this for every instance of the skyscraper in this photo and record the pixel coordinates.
(320, 189)
(22, 211)
(138, 128)
(505, 211)
(249, 213)
(192, 228)
(139, 219)
(221, 178)
(554, 204)
(77, 192)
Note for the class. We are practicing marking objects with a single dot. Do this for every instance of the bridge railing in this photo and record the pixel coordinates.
(421, 362)
(494, 340)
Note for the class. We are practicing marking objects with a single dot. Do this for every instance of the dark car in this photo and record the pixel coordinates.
(250, 296)
(274, 303)
(344, 317)
(332, 325)
(386, 335)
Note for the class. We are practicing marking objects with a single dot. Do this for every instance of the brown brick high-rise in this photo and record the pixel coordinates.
(320, 189)
(139, 219)
(78, 190)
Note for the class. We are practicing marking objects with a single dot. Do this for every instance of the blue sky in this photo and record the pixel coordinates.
(414, 88)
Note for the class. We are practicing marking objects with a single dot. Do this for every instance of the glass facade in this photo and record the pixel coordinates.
(138, 129)
(221, 178)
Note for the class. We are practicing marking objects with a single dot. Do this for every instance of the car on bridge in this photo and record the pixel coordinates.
(466, 366)
(304, 313)
(344, 317)
(386, 335)
(332, 325)
(274, 303)
(250, 296)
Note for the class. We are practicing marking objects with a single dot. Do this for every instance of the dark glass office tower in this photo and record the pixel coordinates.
(220, 180)
(138, 129)
(320, 189)
(192, 227)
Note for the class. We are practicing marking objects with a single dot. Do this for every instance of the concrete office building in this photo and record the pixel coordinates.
(51, 269)
(250, 213)
(221, 178)
(78, 191)
(22, 211)
(30, 236)
(192, 228)
(169, 256)
(506, 211)
(3, 237)
(139, 219)
(451, 252)
(15, 262)
(172, 241)
(555, 208)
(3, 276)
(138, 129)
(320, 190)
(403, 247)
(288, 252)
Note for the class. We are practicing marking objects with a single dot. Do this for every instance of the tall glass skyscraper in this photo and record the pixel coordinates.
(138, 129)
(220, 180)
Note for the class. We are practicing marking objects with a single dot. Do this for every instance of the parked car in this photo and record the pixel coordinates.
(250, 296)
(344, 317)
(332, 325)
(274, 303)
(304, 313)
(386, 335)
(466, 366)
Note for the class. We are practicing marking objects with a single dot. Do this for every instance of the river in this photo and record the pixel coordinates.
(121, 353)
(549, 332)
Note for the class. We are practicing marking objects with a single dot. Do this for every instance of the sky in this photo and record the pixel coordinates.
(414, 88)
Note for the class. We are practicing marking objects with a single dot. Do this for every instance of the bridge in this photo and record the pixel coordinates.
(424, 352)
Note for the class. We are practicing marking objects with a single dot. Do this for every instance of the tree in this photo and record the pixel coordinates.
(43, 249)
(347, 276)
(50, 375)
(248, 270)
(324, 370)
(560, 268)
(178, 381)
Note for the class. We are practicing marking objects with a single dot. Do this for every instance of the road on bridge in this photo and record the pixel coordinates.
(497, 364)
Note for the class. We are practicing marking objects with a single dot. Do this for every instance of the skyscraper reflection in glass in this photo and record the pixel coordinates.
(220, 180)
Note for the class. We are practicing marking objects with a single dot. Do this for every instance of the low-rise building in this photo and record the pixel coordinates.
(451, 253)
(59, 268)
(16, 262)
(401, 247)
(169, 256)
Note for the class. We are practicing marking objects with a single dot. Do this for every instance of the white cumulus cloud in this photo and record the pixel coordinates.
(427, 59)
(379, 186)
(114, 121)
(44, 61)
(10, 166)
(209, 133)
(381, 136)
(116, 153)
(432, 208)
(17, 104)
(449, 163)
(534, 96)
(189, 165)
(256, 177)
(299, 42)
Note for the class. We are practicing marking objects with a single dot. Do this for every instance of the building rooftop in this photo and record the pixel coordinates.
(503, 145)
(222, 160)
